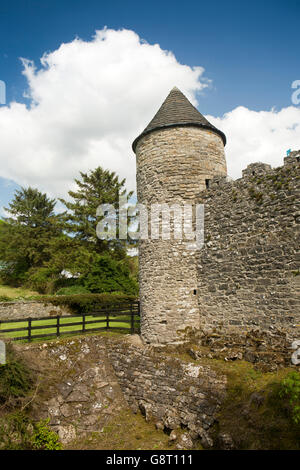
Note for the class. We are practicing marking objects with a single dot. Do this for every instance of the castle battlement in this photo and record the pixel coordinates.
(254, 170)
(293, 157)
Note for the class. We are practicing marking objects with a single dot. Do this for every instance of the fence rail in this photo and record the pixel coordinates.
(125, 317)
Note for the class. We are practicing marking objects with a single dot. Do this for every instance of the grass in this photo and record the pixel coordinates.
(260, 426)
(16, 292)
(12, 293)
(127, 431)
(115, 323)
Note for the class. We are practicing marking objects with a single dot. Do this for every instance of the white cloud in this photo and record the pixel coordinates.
(89, 100)
(254, 136)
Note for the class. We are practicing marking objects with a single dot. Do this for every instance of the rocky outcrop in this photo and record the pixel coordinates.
(84, 382)
(174, 392)
(268, 350)
(76, 386)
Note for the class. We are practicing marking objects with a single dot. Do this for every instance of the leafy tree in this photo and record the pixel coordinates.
(49, 252)
(98, 187)
(109, 275)
(68, 261)
(26, 234)
(87, 269)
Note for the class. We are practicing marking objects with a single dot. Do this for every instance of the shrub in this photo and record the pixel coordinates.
(290, 388)
(72, 290)
(109, 275)
(81, 303)
(15, 431)
(42, 280)
(19, 432)
(4, 298)
(15, 377)
(44, 438)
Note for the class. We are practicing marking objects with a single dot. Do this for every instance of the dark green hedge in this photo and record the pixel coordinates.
(82, 303)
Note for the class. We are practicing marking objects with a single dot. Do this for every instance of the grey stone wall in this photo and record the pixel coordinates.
(172, 167)
(268, 350)
(248, 271)
(16, 310)
(175, 393)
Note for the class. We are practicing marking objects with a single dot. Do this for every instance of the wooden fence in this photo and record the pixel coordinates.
(119, 315)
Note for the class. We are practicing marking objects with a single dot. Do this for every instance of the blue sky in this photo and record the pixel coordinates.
(249, 50)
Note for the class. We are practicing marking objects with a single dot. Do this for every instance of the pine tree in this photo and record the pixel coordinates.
(96, 188)
(31, 208)
(26, 234)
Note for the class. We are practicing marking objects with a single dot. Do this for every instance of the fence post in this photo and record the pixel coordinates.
(83, 323)
(131, 319)
(29, 329)
(57, 326)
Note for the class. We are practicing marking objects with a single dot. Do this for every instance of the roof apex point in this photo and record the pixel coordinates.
(178, 111)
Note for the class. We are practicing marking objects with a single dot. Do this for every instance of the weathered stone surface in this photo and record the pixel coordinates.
(268, 350)
(103, 375)
(173, 436)
(185, 442)
(225, 441)
(66, 433)
(145, 409)
(172, 167)
(29, 309)
(167, 389)
(248, 269)
(83, 394)
(247, 273)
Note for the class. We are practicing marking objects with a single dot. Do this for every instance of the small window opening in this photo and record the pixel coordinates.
(195, 291)
(253, 173)
(207, 183)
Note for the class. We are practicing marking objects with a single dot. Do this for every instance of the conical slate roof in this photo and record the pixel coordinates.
(177, 111)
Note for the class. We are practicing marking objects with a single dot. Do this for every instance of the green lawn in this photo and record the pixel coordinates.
(115, 323)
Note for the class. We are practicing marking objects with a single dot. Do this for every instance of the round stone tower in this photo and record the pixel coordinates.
(177, 154)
